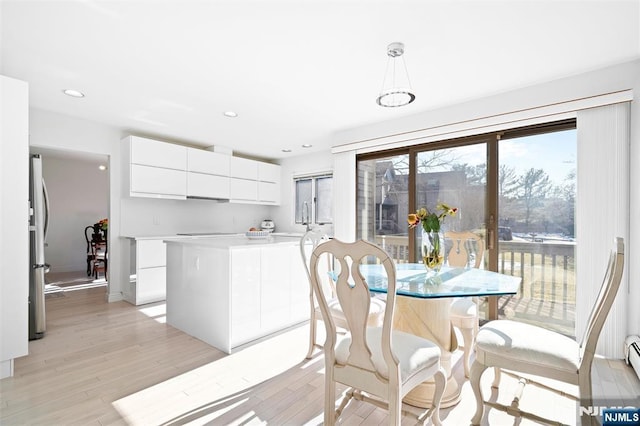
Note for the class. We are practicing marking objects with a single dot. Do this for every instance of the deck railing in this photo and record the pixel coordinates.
(547, 269)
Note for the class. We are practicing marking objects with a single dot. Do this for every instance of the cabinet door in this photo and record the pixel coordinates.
(242, 189)
(154, 181)
(150, 253)
(208, 162)
(276, 288)
(268, 172)
(151, 285)
(207, 186)
(243, 168)
(158, 154)
(245, 295)
(300, 287)
(268, 192)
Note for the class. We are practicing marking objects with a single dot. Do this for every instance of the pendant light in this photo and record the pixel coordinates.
(396, 88)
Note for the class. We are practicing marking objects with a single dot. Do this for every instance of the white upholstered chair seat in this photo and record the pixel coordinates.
(376, 312)
(528, 344)
(414, 353)
(464, 312)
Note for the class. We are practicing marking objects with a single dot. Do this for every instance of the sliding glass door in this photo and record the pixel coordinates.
(537, 193)
(515, 189)
(383, 203)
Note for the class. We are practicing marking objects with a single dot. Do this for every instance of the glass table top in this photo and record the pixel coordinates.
(412, 279)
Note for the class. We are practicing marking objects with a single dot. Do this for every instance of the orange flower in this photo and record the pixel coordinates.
(413, 220)
(431, 221)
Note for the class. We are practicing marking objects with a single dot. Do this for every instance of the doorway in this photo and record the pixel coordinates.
(78, 188)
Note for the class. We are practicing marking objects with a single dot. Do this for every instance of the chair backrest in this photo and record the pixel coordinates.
(354, 298)
(467, 249)
(604, 301)
(309, 241)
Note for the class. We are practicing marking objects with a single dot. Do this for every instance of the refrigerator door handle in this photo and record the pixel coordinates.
(46, 266)
(46, 208)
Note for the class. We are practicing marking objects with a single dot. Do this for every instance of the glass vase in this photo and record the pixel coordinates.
(432, 250)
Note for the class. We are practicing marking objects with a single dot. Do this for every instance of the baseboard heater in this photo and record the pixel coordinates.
(632, 353)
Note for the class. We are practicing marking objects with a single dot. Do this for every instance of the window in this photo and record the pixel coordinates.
(314, 199)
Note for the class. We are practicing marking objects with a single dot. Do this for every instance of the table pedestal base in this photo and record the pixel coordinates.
(429, 318)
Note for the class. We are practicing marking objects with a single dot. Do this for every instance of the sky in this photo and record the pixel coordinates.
(555, 153)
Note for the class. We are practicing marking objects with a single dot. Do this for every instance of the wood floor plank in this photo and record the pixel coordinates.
(117, 364)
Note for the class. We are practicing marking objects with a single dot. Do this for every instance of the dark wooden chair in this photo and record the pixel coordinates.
(97, 250)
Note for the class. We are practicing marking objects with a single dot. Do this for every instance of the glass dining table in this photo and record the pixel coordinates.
(423, 306)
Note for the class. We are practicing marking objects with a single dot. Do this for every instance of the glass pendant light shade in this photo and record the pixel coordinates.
(396, 88)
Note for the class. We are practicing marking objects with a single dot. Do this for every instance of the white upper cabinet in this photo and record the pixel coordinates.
(268, 172)
(207, 174)
(158, 169)
(154, 169)
(244, 168)
(243, 190)
(158, 154)
(157, 182)
(201, 185)
(208, 162)
(254, 182)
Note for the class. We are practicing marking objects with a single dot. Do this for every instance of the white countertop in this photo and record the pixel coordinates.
(178, 236)
(203, 235)
(226, 241)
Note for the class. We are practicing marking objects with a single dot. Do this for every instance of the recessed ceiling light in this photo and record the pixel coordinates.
(231, 114)
(102, 167)
(73, 93)
(307, 145)
(286, 150)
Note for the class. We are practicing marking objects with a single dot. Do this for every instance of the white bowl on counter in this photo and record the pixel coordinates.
(257, 235)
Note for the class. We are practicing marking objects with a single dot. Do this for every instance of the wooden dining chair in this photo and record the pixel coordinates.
(379, 364)
(529, 349)
(309, 241)
(467, 251)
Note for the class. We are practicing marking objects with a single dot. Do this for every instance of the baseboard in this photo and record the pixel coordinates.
(6, 368)
(114, 297)
(632, 353)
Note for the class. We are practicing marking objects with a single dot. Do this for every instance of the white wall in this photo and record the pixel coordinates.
(448, 122)
(141, 216)
(14, 222)
(283, 216)
(78, 197)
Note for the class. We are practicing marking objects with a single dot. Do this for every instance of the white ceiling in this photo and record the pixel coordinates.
(296, 72)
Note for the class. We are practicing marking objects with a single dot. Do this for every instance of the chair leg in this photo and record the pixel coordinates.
(312, 335)
(468, 336)
(477, 369)
(329, 399)
(586, 398)
(395, 409)
(440, 379)
(496, 378)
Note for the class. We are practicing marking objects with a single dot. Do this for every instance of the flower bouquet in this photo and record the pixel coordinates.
(432, 247)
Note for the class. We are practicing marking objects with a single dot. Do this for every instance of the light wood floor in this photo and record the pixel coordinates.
(116, 364)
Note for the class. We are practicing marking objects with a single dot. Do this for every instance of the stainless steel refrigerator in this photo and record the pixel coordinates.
(38, 226)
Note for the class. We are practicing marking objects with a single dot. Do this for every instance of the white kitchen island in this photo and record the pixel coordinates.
(229, 291)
